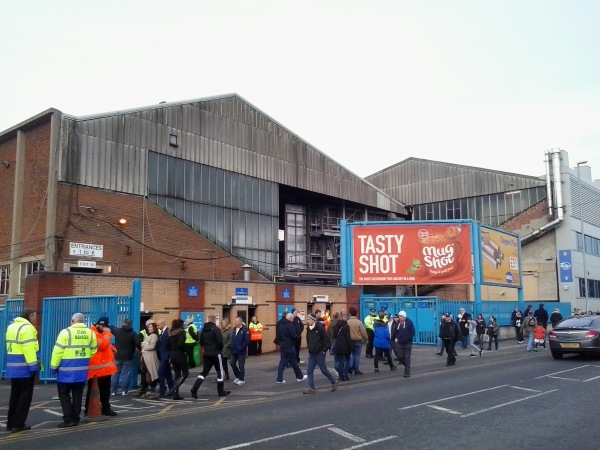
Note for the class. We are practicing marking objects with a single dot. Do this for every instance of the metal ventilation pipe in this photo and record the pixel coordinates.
(558, 200)
(246, 268)
(549, 195)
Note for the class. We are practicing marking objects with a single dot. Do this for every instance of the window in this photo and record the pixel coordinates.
(578, 242)
(173, 141)
(28, 268)
(4, 279)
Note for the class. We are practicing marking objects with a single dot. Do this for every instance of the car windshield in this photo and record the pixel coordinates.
(576, 322)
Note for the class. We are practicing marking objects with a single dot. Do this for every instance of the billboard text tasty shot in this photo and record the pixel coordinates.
(412, 254)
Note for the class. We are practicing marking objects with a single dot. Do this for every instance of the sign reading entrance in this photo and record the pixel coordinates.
(88, 250)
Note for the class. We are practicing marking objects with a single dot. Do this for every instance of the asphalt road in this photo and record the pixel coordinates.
(506, 399)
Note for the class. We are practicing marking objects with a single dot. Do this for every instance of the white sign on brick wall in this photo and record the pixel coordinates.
(87, 250)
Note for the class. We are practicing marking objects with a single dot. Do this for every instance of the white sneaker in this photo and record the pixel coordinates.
(125, 393)
(239, 382)
(113, 393)
(299, 380)
(280, 382)
(335, 373)
(236, 380)
(300, 362)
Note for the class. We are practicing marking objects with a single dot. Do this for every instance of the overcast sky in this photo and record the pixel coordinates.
(491, 84)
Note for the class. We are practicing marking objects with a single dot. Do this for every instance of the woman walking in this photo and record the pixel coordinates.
(480, 329)
(149, 359)
(475, 345)
(343, 348)
(178, 356)
(492, 331)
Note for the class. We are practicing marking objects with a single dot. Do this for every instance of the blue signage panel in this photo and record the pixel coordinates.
(283, 310)
(193, 291)
(286, 293)
(241, 291)
(565, 266)
(197, 318)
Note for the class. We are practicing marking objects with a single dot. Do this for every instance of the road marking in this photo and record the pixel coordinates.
(591, 379)
(166, 409)
(134, 408)
(40, 405)
(346, 434)
(279, 436)
(387, 438)
(38, 425)
(54, 412)
(524, 389)
(439, 408)
(218, 402)
(562, 371)
(508, 403)
(565, 378)
(453, 397)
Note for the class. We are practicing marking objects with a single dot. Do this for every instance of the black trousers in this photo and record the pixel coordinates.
(297, 345)
(21, 394)
(371, 336)
(449, 346)
(379, 353)
(211, 361)
(103, 388)
(70, 396)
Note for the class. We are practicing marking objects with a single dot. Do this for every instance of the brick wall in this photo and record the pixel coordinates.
(520, 221)
(8, 151)
(152, 243)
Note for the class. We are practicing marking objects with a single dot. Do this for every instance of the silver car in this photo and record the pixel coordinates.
(576, 334)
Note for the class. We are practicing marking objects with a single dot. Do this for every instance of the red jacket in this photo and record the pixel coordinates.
(103, 362)
(539, 332)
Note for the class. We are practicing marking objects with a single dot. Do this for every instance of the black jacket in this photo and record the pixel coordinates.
(317, 339)
(542, 316)
(343, 343)
(277, 328)
(177, 344)
(211, 339)
(449, 330)
(126, 341)
(287, 335)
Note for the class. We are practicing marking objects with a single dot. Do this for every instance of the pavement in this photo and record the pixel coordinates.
(261, 374)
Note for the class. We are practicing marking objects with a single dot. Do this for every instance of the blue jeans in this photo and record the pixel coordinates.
(317, 360)
(238, 363)
(288, 356)
(530, 345)
(123, 372)
(342, 363)
(464, 341)
(355, 356)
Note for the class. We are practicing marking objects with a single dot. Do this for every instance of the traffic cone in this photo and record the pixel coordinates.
(94, 411)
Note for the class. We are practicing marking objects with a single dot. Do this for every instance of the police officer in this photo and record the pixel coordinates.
(191, 341)
(70, 364)
(22, 363)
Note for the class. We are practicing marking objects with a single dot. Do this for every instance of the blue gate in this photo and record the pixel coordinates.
(420, 310)
(57, 313)
(8, 312)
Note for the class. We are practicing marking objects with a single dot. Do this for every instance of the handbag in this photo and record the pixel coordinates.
(476, 341)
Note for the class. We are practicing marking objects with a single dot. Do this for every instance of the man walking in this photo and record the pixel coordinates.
(299, 326)
(22, 364)
(358, 336)
(287, 337)
(165, 376)
(211, 341)
(405, 332)
(102, 366)
(318, 343)
(529, 324)
(449, 334)
(464, 323)
(126, 343)
(240, 338)
(70, 364)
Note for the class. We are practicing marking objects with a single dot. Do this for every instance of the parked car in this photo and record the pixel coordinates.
(576, 334)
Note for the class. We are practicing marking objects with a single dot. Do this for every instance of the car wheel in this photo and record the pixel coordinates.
(557, 355)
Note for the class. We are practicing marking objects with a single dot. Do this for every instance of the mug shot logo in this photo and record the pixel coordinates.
(565, 265)
(509, 277)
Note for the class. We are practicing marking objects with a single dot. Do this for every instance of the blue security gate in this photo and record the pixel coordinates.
(421, 310)
(57, 313)
(8, 312)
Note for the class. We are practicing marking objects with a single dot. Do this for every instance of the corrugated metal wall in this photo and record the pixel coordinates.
(417, 181)
(110, 152)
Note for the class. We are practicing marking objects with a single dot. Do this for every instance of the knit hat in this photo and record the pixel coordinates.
(402, 313)
(311, 316)
(102, 321)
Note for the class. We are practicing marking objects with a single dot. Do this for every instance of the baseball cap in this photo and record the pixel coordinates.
(402, 313)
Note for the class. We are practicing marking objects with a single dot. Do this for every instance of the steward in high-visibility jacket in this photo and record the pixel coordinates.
(256, 329)
(22, 349)
(22, 363)
(72, 352)
(369, 322)
(191, 342)
(102, 366)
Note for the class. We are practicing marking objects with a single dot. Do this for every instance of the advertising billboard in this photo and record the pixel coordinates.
(408, 253)
(500, 258)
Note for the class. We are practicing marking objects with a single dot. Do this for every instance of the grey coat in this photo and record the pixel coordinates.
(149, 355)
(227, 342)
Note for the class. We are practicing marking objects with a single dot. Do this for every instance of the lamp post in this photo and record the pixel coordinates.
(585, 285)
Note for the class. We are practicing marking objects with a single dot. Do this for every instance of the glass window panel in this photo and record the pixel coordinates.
(242, 230)
(291, 219)
(189, 180)
(205, 183)
(464, 209)
(248, 193)
(485, 213)
(220, 187)
(436, 211)
(220, 220)
(179, 177)
(235, 187)
(170, 205)
(152, 172)
(171, 176)
(179, 208)
(227, 189)
(197, 196)
(161, 201)
(161, 187)
(197, 212)
(444, 210)
(255, 195)
(290, 243)
(242, 187)
(227, 229)
(588, 244)
(213, 196)
(204, 219)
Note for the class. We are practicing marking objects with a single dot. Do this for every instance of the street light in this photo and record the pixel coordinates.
(585, 285)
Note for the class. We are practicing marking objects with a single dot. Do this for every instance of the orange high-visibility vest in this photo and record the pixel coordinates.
(326, 320)
(255, 331)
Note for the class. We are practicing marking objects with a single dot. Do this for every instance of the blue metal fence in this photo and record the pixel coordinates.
(8, 312)
(59, 310)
